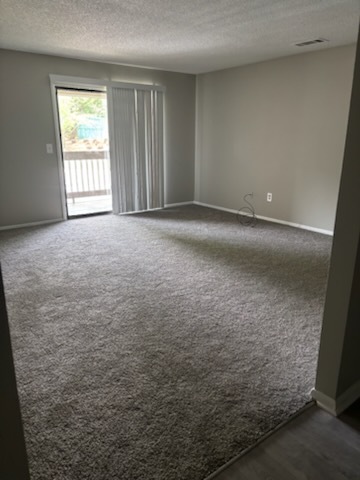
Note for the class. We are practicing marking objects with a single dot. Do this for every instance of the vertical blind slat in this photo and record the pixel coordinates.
(138, 148)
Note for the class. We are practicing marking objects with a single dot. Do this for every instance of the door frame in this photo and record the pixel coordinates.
(84, 83)
(75, 83)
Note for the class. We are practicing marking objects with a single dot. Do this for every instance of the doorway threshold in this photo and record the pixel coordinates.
(84, 215)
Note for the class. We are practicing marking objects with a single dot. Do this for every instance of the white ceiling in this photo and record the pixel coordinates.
(192, 36)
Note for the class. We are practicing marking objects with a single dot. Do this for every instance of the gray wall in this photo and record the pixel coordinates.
(279, 127)
(339, 357)
(29, 183)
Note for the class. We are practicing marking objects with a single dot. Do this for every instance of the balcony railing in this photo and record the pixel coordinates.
(87, 173)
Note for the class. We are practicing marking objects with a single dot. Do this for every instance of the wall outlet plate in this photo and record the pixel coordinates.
(49, 148)
(269, 197)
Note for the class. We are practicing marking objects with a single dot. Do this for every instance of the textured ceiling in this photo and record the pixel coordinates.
(192, 36)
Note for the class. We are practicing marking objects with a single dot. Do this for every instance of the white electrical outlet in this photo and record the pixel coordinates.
(49, 148)
(269, 197)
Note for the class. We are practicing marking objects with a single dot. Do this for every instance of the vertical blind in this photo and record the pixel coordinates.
(138, 148)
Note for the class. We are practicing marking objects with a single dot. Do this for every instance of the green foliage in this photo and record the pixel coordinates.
(87, 106)
(68, 121)
(73, 109)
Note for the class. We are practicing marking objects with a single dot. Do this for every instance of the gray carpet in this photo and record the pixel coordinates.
(157, 346)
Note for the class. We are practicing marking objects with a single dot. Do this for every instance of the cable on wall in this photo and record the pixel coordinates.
(246, 214)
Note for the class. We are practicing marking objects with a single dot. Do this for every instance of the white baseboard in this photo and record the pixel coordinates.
(32, 224)
(297, 225)
(180, 204)
(337, 405)
(269, 219)
(167, 205)
(215, 207)
(139, 211)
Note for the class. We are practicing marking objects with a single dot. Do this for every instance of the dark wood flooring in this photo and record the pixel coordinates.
(312, 446)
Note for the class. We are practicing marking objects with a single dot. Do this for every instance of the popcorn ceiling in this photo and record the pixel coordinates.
(190, 36)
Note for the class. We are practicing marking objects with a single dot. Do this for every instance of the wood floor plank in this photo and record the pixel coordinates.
(312, 446)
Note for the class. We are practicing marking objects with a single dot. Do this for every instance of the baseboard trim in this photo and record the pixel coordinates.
(180, 204)
(32, 224)
(269, 219)
(138, 211)
(167, 205)
(338, 405)
(297, 225)
(215, 207)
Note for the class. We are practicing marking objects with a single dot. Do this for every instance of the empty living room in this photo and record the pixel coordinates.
(179, 240)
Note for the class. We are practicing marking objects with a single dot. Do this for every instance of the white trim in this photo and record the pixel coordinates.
(66, 81)
(268, 219)
(137, 86)
(323, 401)
(348, 397)
(167, 205)
(215, 207)
(78, 82)
(297, 225)
(58, 150)
(140, 211)
(336, 406)
(114, 174)
(84, 82)
(32, 224)
(180, 204)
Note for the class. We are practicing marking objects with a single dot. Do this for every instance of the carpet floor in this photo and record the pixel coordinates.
(157, 346)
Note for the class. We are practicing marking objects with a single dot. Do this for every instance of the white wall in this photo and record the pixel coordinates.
(276, 126)
(29, 182)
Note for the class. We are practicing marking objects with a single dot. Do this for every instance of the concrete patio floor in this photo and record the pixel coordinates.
(89, 205)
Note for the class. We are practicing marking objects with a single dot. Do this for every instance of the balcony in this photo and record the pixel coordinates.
(87, 181)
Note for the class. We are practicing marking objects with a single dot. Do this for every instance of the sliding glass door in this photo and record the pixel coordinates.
(85, 151)
(110, 145)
